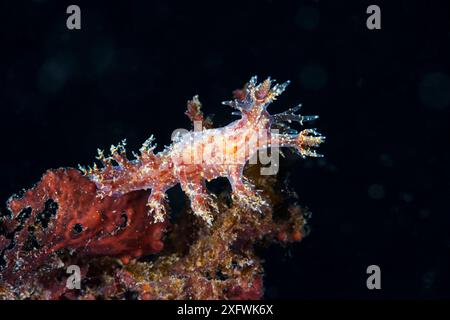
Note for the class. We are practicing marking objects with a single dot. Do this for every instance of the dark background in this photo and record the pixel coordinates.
(378, 197)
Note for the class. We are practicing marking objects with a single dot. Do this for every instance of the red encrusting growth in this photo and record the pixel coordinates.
(80, 221)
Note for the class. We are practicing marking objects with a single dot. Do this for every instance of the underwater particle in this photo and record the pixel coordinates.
(53, 74)
(424, 213)
(307, 17)
(102, 56)
(386, 160)
(406, 197)
(434, 90)
(428, 280)
(376, 191)
(313, 77)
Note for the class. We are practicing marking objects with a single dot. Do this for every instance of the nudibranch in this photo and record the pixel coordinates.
(207, 153)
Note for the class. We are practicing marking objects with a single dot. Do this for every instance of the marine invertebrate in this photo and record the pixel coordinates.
(119, 211)
(206, 154)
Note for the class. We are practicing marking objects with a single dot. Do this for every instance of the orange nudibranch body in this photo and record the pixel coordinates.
(207, 153)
